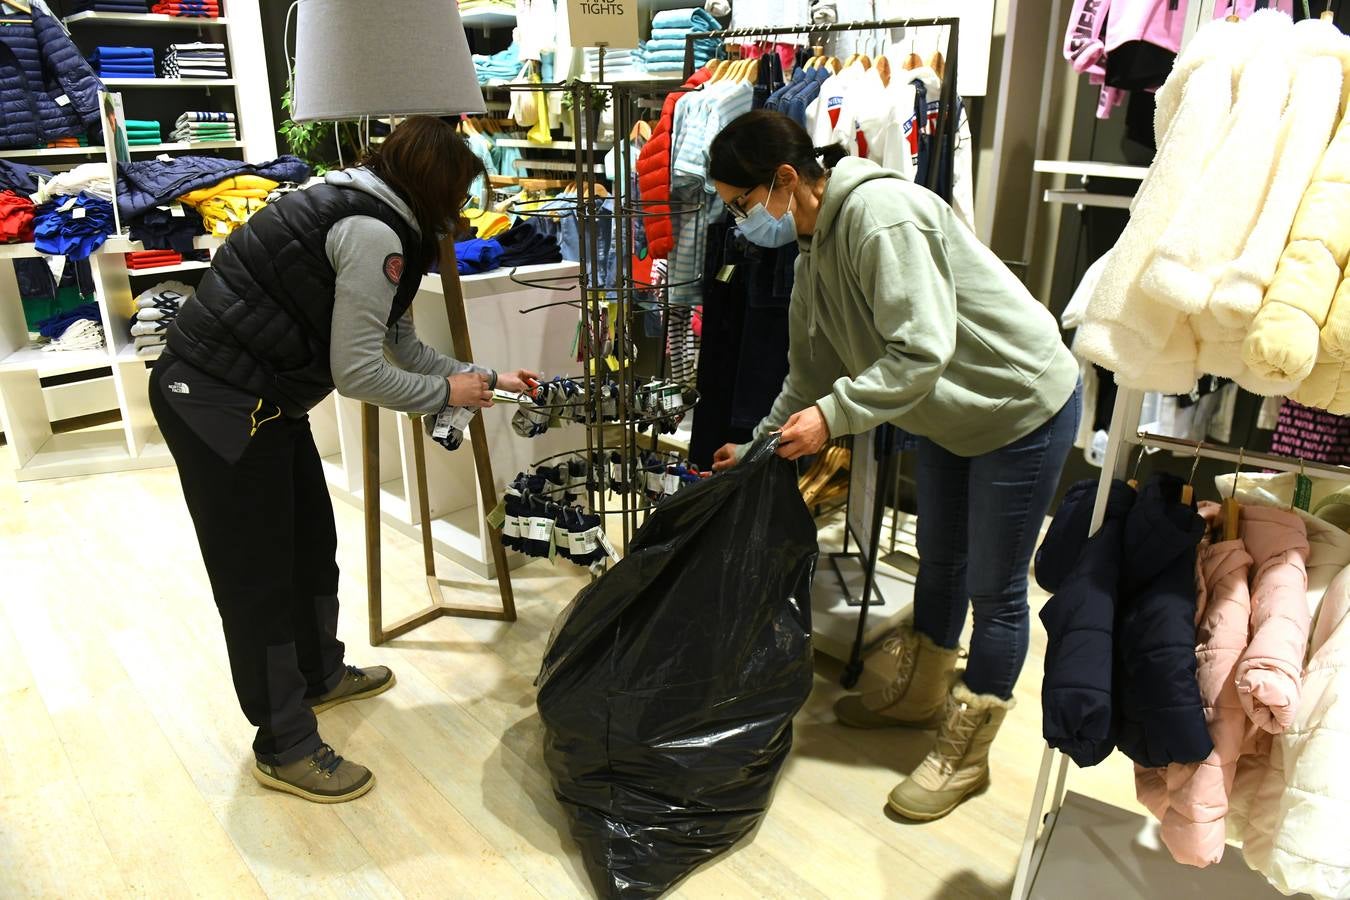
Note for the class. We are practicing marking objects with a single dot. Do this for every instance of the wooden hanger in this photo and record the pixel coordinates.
(642, 131)
(884, 69)
(1188, 491)
(1327, 15)
(937, 63)
(21, 7)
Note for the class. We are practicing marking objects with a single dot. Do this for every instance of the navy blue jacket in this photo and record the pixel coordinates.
(47, 89)
(147, 183)
(1083, 573)
(1161, 715)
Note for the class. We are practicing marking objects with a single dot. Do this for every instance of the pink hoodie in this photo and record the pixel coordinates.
(1191, 800)
(1269, 674)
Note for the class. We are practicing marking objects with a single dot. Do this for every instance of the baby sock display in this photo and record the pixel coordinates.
(447, 427)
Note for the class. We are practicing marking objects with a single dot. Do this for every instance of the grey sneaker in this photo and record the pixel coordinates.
(356, 684)
(323, 777)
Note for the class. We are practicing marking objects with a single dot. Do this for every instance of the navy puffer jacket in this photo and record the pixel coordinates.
(47, 89)
(1161, 715)
(1077, 710)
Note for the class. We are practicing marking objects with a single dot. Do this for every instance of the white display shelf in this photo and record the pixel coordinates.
(142, 19)
(168, 270)
(128, 353)
(52, 151)
(18, 251)
(1088, 169)
(488, 18)
(34, 358)
(169, 82)
(490, 284)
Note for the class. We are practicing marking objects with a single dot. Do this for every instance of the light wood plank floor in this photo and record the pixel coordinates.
(125, 758)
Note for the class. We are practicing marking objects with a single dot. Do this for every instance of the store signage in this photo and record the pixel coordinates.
(613, 23)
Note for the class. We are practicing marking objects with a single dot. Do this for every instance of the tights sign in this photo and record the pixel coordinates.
(613, 23)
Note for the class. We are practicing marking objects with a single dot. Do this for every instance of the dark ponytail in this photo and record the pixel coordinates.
(748, 152)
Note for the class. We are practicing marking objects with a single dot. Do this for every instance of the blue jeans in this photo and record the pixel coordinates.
(988, 509)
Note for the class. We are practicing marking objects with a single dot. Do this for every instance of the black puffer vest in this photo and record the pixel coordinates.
(263, 314)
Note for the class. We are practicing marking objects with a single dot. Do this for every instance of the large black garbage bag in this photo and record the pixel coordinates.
(669, 685)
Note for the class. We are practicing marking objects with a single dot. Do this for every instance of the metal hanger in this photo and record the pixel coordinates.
(1188, 492)
(1231, 509)
(1138, 461)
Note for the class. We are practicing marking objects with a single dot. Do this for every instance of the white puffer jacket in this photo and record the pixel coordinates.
(1291, 800)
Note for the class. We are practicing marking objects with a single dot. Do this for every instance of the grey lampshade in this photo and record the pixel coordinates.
(382, 57)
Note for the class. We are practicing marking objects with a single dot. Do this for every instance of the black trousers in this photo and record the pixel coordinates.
(266, 530)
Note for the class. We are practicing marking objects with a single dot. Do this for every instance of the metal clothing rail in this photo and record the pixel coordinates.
(1124, 435)
(948, 123)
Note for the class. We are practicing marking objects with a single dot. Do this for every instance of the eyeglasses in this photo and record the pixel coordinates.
(736, 205)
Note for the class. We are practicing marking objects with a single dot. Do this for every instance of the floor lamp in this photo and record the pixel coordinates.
(355, 59)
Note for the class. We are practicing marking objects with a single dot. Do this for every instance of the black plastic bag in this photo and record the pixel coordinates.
(669, 685)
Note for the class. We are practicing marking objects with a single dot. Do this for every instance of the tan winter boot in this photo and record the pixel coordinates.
(958, 765)
(916, 696)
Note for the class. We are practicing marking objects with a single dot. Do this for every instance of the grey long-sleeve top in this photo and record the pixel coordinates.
(386, 366)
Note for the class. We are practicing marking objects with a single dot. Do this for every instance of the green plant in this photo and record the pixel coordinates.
(310, 140)
(597, 98)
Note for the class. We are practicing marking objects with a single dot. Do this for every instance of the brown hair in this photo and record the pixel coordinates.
(431, 167)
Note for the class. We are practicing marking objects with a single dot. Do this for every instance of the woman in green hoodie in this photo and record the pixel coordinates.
(900, 315)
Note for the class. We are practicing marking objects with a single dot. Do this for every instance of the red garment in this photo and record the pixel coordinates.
(653, 169)
(153, 259)
(199, 10)
(16, 217)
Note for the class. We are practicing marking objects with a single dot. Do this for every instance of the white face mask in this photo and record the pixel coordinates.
(760, 228)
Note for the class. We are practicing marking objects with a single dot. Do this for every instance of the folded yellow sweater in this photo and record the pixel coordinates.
(227, 205)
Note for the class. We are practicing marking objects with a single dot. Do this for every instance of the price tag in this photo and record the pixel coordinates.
(164, 157)
(497, 518)
(79, 212)
(539, 529)
(66, 207)
(1302, 492)
(671, 482)
(176, 210)
(587, 541)
(513, 526)
(609, 548)
(725, 273)
(222, 228)
(63, 100)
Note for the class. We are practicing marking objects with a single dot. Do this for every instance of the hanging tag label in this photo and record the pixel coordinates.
(512, 527)
(68, 205)
(1302, 492)
(497, 518)
(539, 529)
(165, 158)
(63, 100)
(725, 273)
(553, 542)
(587, 542)
(222, 228)
(608, 547)
(79, 212)
(176, 210)
(672, 483)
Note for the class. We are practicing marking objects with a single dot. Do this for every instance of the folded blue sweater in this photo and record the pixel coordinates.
(695, 19)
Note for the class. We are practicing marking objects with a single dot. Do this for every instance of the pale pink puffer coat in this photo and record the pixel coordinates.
(1191, 800)
(1269, 674)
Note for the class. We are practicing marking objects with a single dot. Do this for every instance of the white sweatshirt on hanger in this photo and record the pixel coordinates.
(1149, 345)
(1220, 208)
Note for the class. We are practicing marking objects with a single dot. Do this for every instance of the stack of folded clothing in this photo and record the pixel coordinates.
(158, 228)
(477, 255)
(16, 217)
(205, 127)
(153, 259)
(68, 142)
(665, 51)
(618, 63)
(196, 60)
(528, 243)
(123, 62)
(155, 311)
(197, 9)
(112, 6)
(75, 329)
(230, 203)
(143, 132)
(74, 227)
(498, 68)
(90, 178)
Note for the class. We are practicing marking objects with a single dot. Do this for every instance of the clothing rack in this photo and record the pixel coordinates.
(947, 125)
(1124, 435)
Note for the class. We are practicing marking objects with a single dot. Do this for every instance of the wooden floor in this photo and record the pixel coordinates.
(124, 763)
